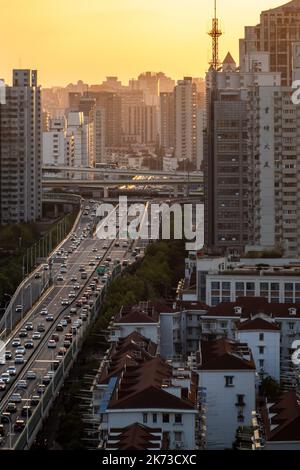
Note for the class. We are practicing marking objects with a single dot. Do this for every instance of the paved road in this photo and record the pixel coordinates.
(41, 359)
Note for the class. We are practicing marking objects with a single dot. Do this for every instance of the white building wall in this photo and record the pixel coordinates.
(271, 355)
(123, 418)
(221, 410)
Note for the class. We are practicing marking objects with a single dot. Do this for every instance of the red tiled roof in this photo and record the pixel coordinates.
(251, 306)
(136, 317)
(135, 437)
(223, 354)
(257, 324)
(286, 419)
(152, 398)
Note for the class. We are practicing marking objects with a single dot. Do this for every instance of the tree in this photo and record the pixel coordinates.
(270, 388)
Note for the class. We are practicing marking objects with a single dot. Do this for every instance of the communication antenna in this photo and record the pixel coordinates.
(215, 33)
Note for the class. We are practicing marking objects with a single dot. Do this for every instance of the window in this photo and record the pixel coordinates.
(178, 419)
(178, 436)
(240, 400)
(261, 363)
(291, 326)
(229, 381)
(215, 285)
(166, 418)
(145, 418)
(239, 286)
(154, 417)
(261, 349)
(261, 336)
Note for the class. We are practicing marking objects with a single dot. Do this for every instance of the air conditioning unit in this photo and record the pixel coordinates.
(293, 311)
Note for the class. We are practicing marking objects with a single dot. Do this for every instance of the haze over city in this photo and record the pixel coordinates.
(90, 40)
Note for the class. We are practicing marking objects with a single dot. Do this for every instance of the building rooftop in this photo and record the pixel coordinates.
(247, 307)
(223, 354)
(282, 419)
(135, 437)
(258, 324)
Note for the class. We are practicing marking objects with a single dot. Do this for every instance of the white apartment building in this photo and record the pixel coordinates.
(274, 151)
(275, 279)
(186, 120)
(134, 386)
(54, 142)
(80, 131)
(262, 335)
(226, 372)
(21, 150)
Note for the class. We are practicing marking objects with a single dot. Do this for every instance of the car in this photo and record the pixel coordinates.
(41, 328)
(67, 344)
(16, 343)
(76, 287)
(12, 371)
(8, 355)
(2, 385)
(29, 344)
(20, 351)
(36, 336)
(23, 333)
(108, 259)
(65, 302)
(35, 400)
(64, 323)
(19, 359)
(95, 250)
(46, 380)
(29, 327)
(60, 278)
(68, 318)
(73, 279)
(81, 269)
(72, 295)
(19, 425)
(125, 262)
(16, 398)
(92, 263)
(5, 418)
(83, 317)
(63, 270)
(45, 267)
(51, 344)
(55, 337)
(37, 276)
(5, 377)
(22, 384)
(26, 411)
(44, 312)
(11, 408)
(59, 327)
(49, 318)
(19, 309)
(41, 389)
(31, 375)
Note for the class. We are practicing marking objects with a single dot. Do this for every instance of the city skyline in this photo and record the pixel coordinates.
(134, 35)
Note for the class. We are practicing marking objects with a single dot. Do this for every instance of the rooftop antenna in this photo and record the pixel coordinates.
(215, 33)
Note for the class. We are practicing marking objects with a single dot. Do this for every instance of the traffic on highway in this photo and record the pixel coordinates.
(45, 343)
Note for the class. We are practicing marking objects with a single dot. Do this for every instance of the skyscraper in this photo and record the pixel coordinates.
(227, 160)
(279, 28)
(21, 150)
(167, 121)
(186, 120)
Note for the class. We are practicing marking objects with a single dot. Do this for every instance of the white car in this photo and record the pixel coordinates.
(19, 359)
(16, 398)
(31, 375)
(51, 344)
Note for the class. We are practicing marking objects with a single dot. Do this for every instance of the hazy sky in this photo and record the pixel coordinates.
(68, 40)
